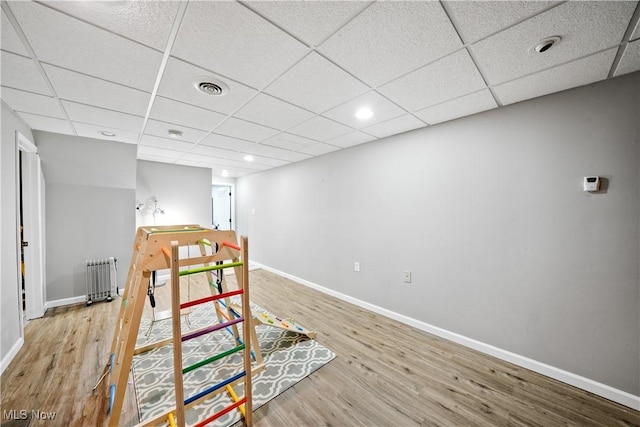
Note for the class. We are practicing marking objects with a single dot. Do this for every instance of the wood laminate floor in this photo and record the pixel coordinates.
(386, 373)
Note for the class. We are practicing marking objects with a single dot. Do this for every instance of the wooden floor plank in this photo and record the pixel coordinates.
(386, 373)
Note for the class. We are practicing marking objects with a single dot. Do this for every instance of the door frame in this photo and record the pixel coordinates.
(33, 219)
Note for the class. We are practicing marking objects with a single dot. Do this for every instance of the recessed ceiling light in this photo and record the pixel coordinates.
(210, 86)
(106, 133)
(248, 158)
(364, 113)
(546, 44)
(175, 133)
(225, 173)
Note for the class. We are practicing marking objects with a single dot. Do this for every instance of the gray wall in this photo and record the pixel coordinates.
(90, 207)
(489, 214)
(184, 192)
(10, 311)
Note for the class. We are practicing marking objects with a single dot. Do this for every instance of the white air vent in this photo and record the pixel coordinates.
(210, 86)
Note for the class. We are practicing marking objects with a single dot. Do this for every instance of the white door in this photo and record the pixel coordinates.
(31, 193)
(221, 207)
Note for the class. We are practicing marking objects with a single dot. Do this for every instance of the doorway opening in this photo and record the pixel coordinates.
(30, 201)
(222, 207)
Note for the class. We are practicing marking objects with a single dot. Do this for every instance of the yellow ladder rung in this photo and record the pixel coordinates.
(234, 396)
(172, 420)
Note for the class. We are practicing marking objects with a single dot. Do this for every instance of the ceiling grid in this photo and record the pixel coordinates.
(297, 72)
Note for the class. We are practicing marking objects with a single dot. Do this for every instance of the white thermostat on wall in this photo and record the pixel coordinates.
(591, 183)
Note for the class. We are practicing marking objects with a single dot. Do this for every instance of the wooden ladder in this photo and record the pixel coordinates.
(150, 253)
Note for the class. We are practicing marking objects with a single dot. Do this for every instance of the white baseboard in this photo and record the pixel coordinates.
(608, 392)
(13, 351)
(65, 301)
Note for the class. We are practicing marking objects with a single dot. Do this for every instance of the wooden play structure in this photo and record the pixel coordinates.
(157, 248)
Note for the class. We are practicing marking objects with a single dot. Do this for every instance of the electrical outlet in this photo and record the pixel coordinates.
(356, 266)
(407, 276)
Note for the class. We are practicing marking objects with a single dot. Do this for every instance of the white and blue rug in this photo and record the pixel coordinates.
(289, 358)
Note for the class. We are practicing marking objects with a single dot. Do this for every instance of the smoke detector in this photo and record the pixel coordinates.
(546, 44)
(210, 86)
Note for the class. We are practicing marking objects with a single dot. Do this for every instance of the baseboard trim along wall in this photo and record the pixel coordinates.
(65, 301)
(608, 392)
(6, 360)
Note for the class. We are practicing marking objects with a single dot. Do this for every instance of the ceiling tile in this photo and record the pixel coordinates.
(42, 105)
(19, 72)
(206, 150)
(171, 111)
(178, 83)
(320, 129)
(148, 22)
(230, 39)
(165, 143)
(225, 142)
(310, 21)
(48, 124)
(293, 156)
(398, 125)
(316, 84)
(288, 141)
(269, 111)
(269, 161)
(197, 158)
(102, 117)
(585, 26)
(159, 152)
(249, 166)
(92, 91)
(61, 40)
(382, 109)
(448, 78)
(158, 128)
(245, 130)
(93, 131)
(630, 60)
(268, 151)
(459, 107)
(237, 145)
(390, 39)
(9, 39)
(477, 19)
(231, 172)
(351, 139)
(319, 149)
(577, 73)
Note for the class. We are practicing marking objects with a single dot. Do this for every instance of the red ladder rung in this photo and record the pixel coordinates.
(211, 298)
(221, 413)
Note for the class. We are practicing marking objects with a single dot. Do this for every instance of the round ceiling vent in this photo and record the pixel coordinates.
(210, 86)
(546, 44)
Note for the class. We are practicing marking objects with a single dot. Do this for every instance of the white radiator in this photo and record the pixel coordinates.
(101, 279)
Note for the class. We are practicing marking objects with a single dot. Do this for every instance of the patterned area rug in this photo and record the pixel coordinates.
(289, 357)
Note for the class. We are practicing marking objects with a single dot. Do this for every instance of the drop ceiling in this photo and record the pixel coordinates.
(297, 71)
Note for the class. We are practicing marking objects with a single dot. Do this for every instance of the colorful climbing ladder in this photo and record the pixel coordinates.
(156, 248)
